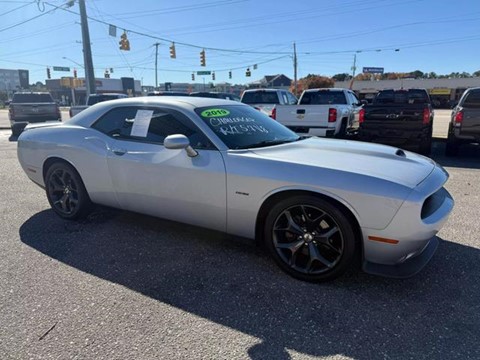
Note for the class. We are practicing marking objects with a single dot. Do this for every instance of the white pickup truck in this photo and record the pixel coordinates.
(93, 99)
(329, 112)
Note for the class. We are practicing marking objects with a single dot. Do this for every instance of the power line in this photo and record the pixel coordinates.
(35, 17)
(17, 8)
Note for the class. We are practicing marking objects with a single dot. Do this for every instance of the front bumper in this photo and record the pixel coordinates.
(406, 245)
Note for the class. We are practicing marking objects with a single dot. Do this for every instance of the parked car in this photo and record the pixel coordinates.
(31, 107)
(215, 95)
(266, 99)
(464, 126)
(95, 99)
(325, 112)
(317, 204)
(402, 118)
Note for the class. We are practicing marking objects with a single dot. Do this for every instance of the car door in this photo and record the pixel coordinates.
(354, 118)
(150, 179)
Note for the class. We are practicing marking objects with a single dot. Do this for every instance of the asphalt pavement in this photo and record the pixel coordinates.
(120, 285)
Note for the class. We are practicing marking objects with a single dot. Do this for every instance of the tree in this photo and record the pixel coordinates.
(340, 77)
(417, 74)
(476, 73)
(312, 81)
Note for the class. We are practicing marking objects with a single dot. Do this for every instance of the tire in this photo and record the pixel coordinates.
(66, 192)
(451, 148)
(310, 238)
(16, 129)
(425, 147)
(342, 133)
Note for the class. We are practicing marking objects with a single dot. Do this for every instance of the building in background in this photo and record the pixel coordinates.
(13, 80)
(443, 92)
(71, 91)
(278, 81)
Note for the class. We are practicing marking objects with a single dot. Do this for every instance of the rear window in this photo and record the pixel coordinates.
(92, 100)
(323, 98)
(260, 97)
(472, 100)
(32, 98)
(402, 97)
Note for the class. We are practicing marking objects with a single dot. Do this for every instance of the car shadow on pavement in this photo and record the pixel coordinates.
(468, 156)
(232, 282)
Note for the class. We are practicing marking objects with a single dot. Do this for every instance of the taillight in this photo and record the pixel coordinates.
(332, 115)
(273, 115)
(459, 117)
(361, 116)
(426, 116)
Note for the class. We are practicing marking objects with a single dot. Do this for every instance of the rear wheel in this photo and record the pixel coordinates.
(425, 147)
(310, 238)
(342, 133)
(66, 193)
(451, 148)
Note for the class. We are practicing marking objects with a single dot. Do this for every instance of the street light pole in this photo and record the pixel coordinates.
(87, 51)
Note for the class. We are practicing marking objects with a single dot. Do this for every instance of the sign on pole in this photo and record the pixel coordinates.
(373, 70)
(61, 68)
(204, 73)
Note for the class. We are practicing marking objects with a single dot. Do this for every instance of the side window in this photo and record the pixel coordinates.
(284, 97)
(355, 98)
(472, 100)
(118, 123)
(292, 100)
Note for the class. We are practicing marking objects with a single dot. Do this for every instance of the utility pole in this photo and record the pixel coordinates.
(87, 51)
(295, 68)
(354, 67)
(156, 63)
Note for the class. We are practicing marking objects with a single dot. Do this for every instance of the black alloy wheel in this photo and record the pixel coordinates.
(65, 192)
(310, 238)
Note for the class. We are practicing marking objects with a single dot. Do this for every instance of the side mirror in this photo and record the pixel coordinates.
(7, 102)
(178, 141)
(363, 102)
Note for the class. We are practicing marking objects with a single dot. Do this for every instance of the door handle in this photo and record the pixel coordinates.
(119, 152)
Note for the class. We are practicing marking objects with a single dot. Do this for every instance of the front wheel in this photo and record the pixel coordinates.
(66, 193)
(310, 238)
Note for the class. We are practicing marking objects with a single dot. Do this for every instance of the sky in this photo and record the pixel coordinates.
(442, 36)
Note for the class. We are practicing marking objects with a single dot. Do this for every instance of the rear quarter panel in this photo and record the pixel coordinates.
(85, 149)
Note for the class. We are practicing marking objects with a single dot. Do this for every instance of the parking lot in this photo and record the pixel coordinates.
(128, 286)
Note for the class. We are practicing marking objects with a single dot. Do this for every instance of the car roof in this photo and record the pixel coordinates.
(252, 90)
(87, 116)
(327, 89)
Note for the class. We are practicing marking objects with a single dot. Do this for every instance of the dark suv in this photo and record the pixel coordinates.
(31, 107)
(464, 124)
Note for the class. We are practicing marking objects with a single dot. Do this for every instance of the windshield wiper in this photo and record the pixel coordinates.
(269, 143)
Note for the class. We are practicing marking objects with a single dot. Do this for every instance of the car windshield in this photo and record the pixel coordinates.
(260, 97)
(243, 127)
(32, 98)
(410, 96)
(323, 97)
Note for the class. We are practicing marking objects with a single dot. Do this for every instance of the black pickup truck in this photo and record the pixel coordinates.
(464, 126)
(402, 118)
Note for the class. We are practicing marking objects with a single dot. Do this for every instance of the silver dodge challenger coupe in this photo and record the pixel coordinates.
(318, 205)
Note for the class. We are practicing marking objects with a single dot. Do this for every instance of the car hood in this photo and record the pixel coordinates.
(379, 161)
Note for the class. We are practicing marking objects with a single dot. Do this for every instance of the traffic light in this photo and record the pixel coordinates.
(230, 74)
(49, 76)
(173, 54)
(75, 73)
(255, 66)
(213, 75)
(248, 73)
(107, 74)
(124, 43)
(202, 58)
(193, 77)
